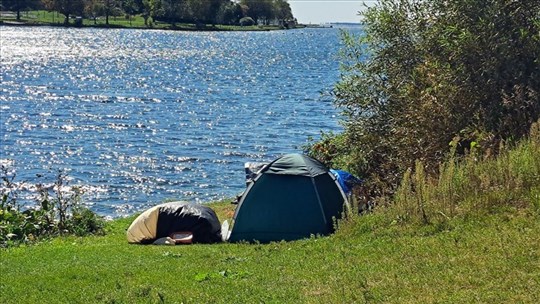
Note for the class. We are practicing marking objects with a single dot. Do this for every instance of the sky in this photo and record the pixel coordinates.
(326, 11)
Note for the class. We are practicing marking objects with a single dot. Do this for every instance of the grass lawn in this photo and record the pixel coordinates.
(488, 259)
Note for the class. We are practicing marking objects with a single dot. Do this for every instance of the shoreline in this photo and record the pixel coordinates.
(191, 27)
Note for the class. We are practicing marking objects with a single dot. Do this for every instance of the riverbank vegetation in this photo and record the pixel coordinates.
(161, 14)
(57, 210)
(430, 80)
(470, 236)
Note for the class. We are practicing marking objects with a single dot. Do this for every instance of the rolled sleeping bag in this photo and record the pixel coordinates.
(166, 219)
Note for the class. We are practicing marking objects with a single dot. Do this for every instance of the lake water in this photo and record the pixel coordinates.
(138, 117)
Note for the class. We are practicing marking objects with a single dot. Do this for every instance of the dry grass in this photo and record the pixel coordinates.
(470, 186)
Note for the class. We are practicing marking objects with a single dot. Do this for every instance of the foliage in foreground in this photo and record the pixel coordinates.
(428, 73)
(58, 211)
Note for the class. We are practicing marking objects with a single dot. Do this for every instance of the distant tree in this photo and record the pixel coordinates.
(214, 9)
(65, 7)
(156, 9)
(140, 6)
(199, 10)
(146, 10)
(282, 11)
(130, 7)
(260, 10)
(247, 21)
(94, 9)
(110, 8)
(204, 11)
(172, 11)
(19, 5)
(244, 9)
(229, 13)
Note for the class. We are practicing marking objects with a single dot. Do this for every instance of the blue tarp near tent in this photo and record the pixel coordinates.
(345, 180)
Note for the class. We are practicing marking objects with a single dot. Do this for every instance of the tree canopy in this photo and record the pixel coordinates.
(19, 5)
(427, 77)
(65, 7)
(264, 11)
(173, 11)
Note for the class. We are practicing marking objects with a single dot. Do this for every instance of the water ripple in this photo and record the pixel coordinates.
(138, 117)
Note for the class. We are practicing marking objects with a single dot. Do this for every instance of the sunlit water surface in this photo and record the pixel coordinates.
(138, 117)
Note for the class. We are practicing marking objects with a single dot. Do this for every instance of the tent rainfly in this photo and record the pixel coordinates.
(167, 219)
(293, 197)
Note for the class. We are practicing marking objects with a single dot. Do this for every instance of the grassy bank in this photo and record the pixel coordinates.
(45, 18)
(489, 259)
(486, 251)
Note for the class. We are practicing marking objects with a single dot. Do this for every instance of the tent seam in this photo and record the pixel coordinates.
(319, 200)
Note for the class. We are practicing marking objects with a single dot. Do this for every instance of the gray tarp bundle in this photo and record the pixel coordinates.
(165, 219)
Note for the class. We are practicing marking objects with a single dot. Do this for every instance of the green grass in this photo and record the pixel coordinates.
(56, 19)
(483, 259)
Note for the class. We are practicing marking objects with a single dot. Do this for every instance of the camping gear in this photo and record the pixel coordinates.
(181, 221)
(183, 237)
(252, 169)
(346, 180)
(293, 197)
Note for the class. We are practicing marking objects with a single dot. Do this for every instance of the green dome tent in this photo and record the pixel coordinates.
(291, 198)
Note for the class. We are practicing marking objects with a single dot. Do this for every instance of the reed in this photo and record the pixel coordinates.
(472, 185)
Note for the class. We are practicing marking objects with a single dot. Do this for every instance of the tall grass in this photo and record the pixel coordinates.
(472, 186)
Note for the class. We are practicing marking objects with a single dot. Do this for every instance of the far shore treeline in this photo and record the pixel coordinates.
(223, 12)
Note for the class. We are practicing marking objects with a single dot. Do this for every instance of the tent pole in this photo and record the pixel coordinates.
(319, 200)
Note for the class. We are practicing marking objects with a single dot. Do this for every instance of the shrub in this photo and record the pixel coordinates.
(247, 21)
(57, 212)
(427, 73)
